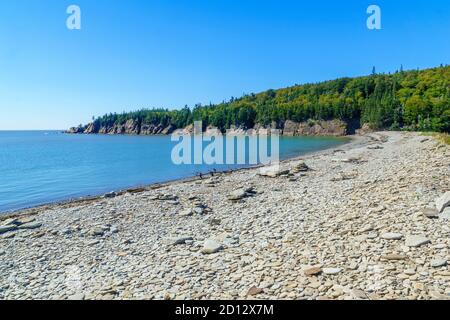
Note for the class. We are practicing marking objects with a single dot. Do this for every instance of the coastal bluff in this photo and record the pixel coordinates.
(288, 128)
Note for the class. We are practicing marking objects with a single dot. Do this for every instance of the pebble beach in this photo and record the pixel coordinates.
(367, 221)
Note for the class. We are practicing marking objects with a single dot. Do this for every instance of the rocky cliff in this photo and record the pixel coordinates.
(288, 128)
(315, 128)
(130, 127)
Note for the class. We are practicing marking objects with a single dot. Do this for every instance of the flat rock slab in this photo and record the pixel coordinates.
(430, 213)
(416, 241)
(438, 262)
(272, 171)
(4, 229)
(31, 225)
(186, 213)
(392, 236)
(11, 222)
(443, 202)
(394, 257)
(313, 271)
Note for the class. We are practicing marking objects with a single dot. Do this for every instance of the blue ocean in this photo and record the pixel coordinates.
(40, 167)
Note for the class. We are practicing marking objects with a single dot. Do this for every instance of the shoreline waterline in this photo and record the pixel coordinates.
(350, 141)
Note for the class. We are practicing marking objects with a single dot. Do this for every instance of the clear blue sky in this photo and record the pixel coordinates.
(132, 54)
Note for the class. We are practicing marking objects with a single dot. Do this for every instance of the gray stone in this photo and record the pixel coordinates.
(110, 195)
(272, 171)
(186, 213)
(438, 262)
(199, 210)
(416, 241)
(97, 232)
(114, 230)
(26, 220)
(445, 215)
(443, 202)
(211, 246)
(31, 225)
(182, 240)
(392, 236)
(4, 229)
(237, 195)
(430, 213)
(11, 222)
(331, 271)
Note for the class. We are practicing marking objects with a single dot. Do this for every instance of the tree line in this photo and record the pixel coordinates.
(410, 100)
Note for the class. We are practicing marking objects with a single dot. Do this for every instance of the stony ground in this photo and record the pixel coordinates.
(348, 224)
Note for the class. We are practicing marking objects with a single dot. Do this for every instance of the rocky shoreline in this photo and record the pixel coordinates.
(336, 128)
(369, 220)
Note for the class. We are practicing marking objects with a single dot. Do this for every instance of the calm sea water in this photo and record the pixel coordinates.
(38, 167)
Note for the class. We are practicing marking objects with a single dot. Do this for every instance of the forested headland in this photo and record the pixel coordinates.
(409, 100)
